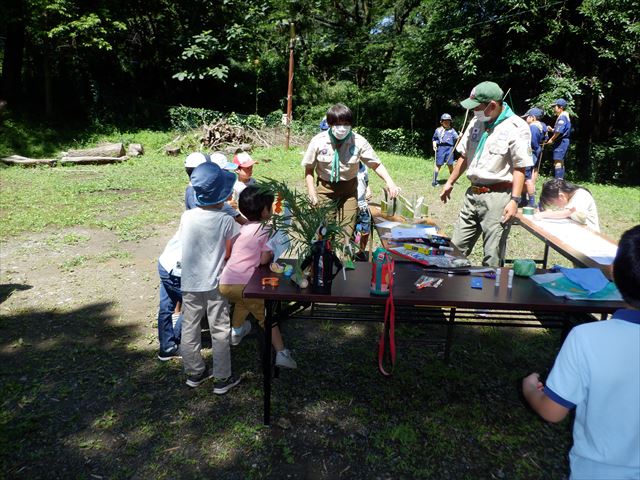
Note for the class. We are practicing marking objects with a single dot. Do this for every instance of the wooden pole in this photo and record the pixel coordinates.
(292, 31)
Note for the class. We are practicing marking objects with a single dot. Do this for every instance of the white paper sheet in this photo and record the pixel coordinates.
(400, 233)
(388, 224)
(580, 238)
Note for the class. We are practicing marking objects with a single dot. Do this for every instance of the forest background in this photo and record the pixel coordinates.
(398, 64)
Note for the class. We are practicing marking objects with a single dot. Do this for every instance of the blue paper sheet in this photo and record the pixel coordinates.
(590, 279)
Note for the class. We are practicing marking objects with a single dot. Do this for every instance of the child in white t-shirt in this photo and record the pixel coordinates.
(250, 250)
(206, 233)
(568, 201)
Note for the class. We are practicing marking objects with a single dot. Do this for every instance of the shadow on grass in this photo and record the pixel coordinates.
(82, 398)
(7, 289)
(85, 397)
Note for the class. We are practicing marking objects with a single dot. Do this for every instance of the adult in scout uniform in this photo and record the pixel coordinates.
(495, 150)
(444, 139)
(560, 138)
(538, 132)
(334, 157)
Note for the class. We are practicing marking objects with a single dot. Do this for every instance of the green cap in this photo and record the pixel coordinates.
(482, 93)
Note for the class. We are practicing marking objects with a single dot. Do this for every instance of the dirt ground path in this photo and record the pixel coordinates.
(68, 270)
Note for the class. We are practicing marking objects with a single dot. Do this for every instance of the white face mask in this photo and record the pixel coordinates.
(340, 131)
(481, 116)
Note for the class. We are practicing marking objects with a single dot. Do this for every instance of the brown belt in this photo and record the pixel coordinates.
(496, 187)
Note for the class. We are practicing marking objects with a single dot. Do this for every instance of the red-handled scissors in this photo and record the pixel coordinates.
(270, 281)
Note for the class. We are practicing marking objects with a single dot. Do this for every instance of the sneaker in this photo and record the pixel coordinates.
(285, 360)
(196, 380)
(434, 183)
(237, 334)
(166, 355)
(222, 386)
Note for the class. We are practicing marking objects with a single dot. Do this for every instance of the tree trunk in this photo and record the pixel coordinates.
(28, 162)
(94, 159)
(13, 53)
(108, 150)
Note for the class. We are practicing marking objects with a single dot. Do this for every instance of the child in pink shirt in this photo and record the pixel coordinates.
(250, 250)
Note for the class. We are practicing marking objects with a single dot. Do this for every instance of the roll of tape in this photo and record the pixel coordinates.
(527, 211)
(524, 268)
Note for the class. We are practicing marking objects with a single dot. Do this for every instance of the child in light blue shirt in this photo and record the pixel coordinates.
(597, 372)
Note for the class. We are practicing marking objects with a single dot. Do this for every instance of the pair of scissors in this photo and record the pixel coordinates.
(270, 281)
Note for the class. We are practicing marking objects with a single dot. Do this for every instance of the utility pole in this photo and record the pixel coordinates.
(292, 39)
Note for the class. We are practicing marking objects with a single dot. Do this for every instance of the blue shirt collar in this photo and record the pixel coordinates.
(627, 315)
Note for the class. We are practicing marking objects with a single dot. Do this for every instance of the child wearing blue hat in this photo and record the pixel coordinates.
(206, 233)
(169, 264)
(560, 138)
(444, 139)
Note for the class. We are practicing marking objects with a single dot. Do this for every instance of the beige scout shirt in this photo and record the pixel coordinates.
(353, 151)
(508, 147)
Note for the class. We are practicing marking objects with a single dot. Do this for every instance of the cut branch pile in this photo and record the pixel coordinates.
(221, 134)
(230, 139)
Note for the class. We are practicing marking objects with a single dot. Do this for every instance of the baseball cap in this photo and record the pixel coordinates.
(482, 93)
(534, 112)
(195, 159)
(445, 116)
(243, 159)
(561, 102)
(220, 159)
(211, 184)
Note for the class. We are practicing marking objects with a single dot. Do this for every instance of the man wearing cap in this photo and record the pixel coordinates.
(560, 138)
(444, 139)
(538, 132)
(494, 151)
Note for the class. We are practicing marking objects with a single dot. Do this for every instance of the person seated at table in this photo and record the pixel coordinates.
(249, 251)
(562, 199)
(597, 372)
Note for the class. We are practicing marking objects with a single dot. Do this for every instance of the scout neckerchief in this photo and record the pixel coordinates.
(506, 113)
(335, 164)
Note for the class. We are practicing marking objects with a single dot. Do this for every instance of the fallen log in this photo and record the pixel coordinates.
(135, 150)
(172, 151)
(107, 150)
(28, 162)
(93, 159)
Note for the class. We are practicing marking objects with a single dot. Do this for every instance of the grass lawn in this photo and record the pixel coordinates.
(85, 397)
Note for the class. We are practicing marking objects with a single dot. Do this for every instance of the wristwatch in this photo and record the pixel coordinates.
(516, 199)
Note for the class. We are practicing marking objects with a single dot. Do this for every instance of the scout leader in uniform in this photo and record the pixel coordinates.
(494, 150)
(334, 156)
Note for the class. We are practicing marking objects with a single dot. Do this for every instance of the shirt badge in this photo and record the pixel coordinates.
(323, 151)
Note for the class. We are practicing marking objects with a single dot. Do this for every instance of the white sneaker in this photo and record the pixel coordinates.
(285, 360)
(237, 334)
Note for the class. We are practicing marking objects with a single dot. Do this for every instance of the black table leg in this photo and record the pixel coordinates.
(545, 257)
(266, 360)
(447, 345)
